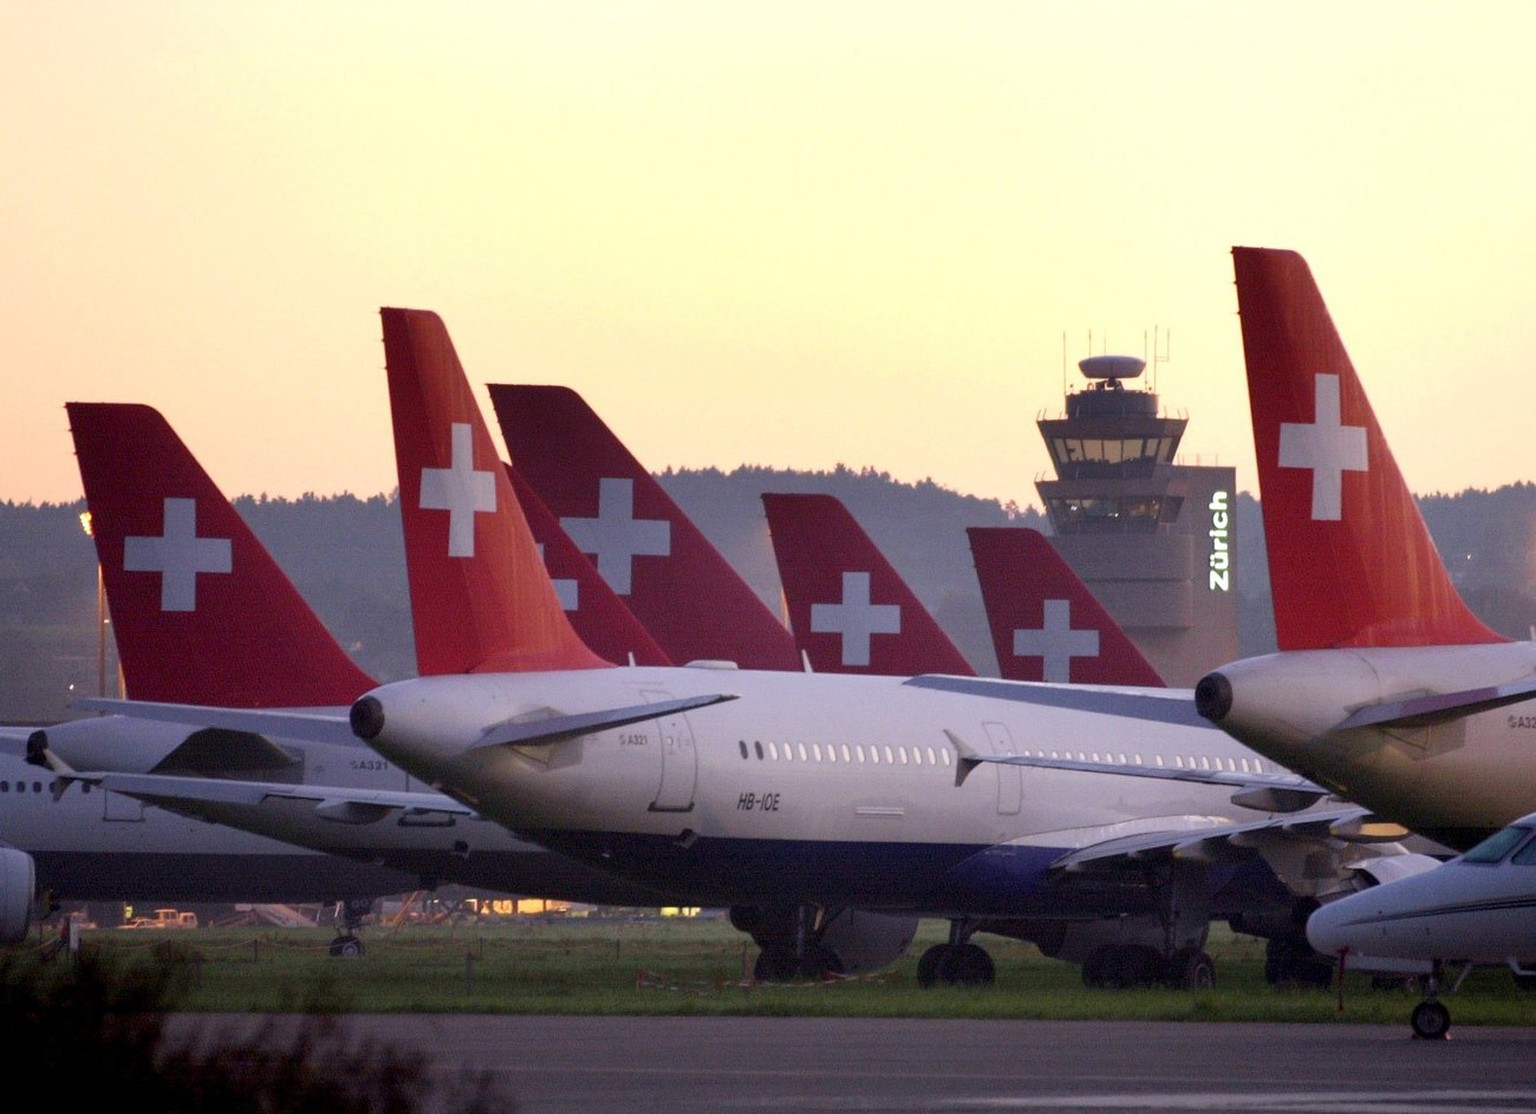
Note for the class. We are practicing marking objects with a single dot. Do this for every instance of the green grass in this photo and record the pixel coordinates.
(702, 966)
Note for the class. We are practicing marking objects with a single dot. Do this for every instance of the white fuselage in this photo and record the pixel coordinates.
(92, 844)
(1454, 781)
(816, 788)
(1477, 908)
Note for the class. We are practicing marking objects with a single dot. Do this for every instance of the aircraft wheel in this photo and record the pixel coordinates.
(1431, 1021)
(928, 965)
(775, 964)
(967, 965)
(1191, 969)
(346, 945)
(1096, 967)
(819, 962)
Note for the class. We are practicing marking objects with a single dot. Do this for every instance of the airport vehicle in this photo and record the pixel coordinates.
(898, 795)
(849, 609)
(1046, 624)
(1386, 688)
(228, 626)
(677, 584)
(1474, 909)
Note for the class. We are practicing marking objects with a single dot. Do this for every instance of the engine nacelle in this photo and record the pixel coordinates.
(18, 890)
(865, 942)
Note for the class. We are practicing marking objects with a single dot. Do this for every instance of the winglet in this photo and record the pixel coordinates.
(201, 611)
(480, 597)
(1046, 624)
(1351, 562)
(849, 608)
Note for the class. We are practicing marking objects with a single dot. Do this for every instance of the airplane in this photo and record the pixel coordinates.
(1046, 623)
(658, 561)
(1385, 688)
(849, 609)
(1474, 909)
(742, 787)
(201, 611)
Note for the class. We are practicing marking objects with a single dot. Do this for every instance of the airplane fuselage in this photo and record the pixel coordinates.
(1455, 780)
(816, 789)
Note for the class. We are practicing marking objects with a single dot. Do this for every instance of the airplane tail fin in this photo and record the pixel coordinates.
(1046, 623)
(480, 597)
(850, 609)
(201, 612)
(602, 620)
(1351, 561)
(677, 584)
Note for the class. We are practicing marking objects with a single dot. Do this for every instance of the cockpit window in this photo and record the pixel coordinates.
(1526, 856)
(1496, 846)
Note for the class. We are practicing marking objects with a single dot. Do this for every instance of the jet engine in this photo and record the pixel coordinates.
(18, 888)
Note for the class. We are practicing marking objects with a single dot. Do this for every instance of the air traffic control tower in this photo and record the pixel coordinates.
(1152, 539)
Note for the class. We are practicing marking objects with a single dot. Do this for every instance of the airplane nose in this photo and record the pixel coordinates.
(1213, 697)
(1326, 930)
(367, 718)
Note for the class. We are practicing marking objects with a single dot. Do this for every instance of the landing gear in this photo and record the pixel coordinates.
(346, 943)
(1431, 1020)
(1190, 969)
(790, 943)
(1131, 965)
(957, 963)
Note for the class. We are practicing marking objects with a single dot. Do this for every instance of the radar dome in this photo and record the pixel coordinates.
(1112, 367)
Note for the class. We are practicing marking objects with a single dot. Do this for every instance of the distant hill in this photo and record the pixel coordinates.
(346, 556)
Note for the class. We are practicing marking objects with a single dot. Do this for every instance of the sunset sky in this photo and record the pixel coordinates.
(790, 234)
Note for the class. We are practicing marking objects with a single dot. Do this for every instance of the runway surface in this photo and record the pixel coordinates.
(688, 1065)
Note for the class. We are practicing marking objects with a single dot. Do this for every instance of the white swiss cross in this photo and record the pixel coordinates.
(567, 590)
(1056, 642)
(459, 490)
(1328, 447)
(856, 619)
(178, 555)
(616, 537)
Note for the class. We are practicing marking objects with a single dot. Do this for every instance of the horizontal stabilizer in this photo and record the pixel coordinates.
(344, 805)
(1422, 711)
(556, 728)
(316, 727)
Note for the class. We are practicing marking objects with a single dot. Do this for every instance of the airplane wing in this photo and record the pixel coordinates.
(1205, 842)
(1264, 792)
(341, 804)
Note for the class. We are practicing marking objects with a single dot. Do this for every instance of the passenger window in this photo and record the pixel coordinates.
(846, 756)
(759, 748)
(773, 750)
(802, 751)
(743, 748)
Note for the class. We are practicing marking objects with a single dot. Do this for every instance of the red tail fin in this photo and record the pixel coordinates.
(1351, 561)
(201, 612)
(1046, 624)
(676, 583)
(850, 610)
(480, 598)
(601, 619)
